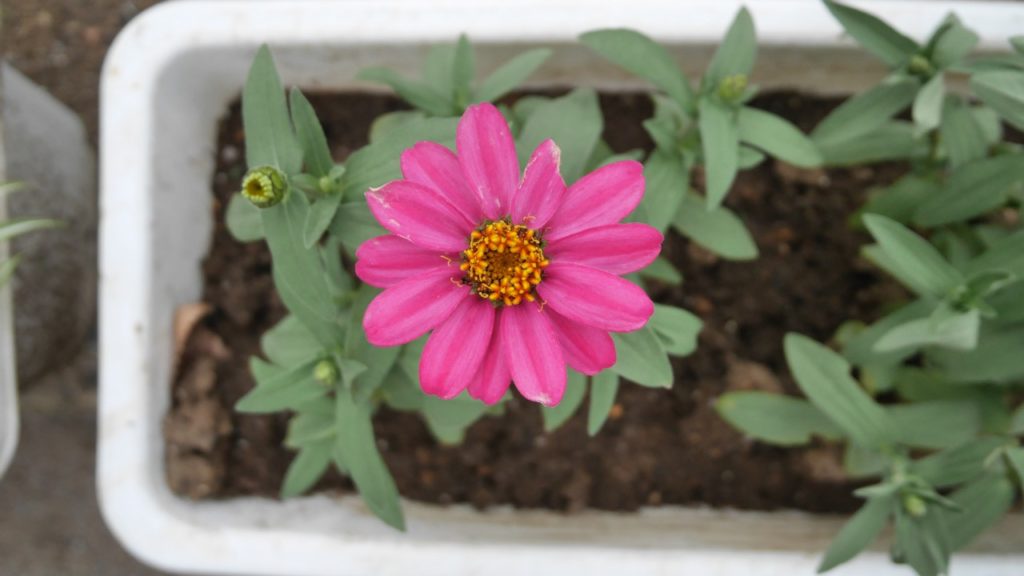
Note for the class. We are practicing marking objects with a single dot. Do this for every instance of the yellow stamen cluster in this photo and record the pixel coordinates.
(504, 262)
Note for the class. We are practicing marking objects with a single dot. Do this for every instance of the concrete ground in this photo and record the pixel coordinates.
(50, 522)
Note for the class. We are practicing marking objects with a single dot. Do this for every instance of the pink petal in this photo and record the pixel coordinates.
(615, 248)
(456, 349)
(420, 215)
(595, 298)
(604, 196)
(533, 353)
(493, 378)
(387, 260)
(587, 350)
(437, 167)
(488, 157)
(407, 310)
(542, 189)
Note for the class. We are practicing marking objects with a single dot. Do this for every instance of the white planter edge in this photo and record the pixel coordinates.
(9, 424)
(166, 82)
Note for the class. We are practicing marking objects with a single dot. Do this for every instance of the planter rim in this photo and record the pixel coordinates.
(150, 62)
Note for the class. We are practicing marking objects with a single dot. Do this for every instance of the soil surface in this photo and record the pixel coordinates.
(659, 447)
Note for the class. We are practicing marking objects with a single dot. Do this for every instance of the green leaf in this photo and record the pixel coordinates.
(269, 139)
(952, 43)
(603, 388)
(824, 377)
(667, 179)
(422, 96)
(448, 419)
(643, 57)
(573, 121)
(982, 503)
(378, 163)
(877, 37)
(958, 464)
(778, 137)
(1003, 90)
(927, 109)
(899, 200)
(287, 389)
(677, 329)
(892, 141)
(996, 359)
(354, 224)
(774, 418)
(299, 273)
(972, 189)
(390, 123)
(964, 139)
(663, 271)
(306, 468)
(243, 219)
(861, 349)
(7, 268)
(918, 259)
(719, 136)
(1004, 255)
(311, 425)
(1015, 456)
(575, 389)
(642, 358)
(311, 136)
(319, 219)
(378, 360)
(923, 543)
(958, 332)
(511, 74)
(289, 343)
(936, 424)
(865, 112)
(720, 231)
(358, 446)
(737, 52)
(1016, 427)
(438, 69)
(463, 71)
(858, 533)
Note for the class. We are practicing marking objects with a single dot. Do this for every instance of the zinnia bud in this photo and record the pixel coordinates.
(264, 186)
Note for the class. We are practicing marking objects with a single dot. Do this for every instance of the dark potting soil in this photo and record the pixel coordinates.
(658, 447)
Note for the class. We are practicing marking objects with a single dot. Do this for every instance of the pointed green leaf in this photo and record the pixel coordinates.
(778, 137)
(311, 137)
(923, 543)
(877, 37)
(358, 446)
(643, 57)
(575, 390)
(353, 224)
(12, 228)
(824, 377)
(996, 359)
(573, 121)
(269, 138)
(927, 107)
(982, 503)
(289, 343)
(972, 190)
(438, 69)
(420, 95)
(963, 137)
(663, 271)
(719, 135)
(319, 219)
(918, 424)
(642, 359)
(775, 419)
(899, 200)
(737, 52)
(511, 74)
(917, 258)
(463, 71)
(958, 332)
(896, 140)
(958, 464)
(377, 164)
(306, 468)
(667, 180)
(677, 329)
(865, 112)
(720, 231)
(953, 42)
(858, 533)
(603, 388)
(286, 390)
(243, 219)
(1004, 92)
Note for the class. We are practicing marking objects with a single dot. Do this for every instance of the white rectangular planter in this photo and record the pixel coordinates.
(169, 78)
(8, 369)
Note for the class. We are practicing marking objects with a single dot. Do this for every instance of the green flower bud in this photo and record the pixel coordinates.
(732, 88)
(325, 372)
(914, 505)
(264, 186)
(920, 66)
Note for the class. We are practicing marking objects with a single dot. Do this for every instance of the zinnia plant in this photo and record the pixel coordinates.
(516, 276)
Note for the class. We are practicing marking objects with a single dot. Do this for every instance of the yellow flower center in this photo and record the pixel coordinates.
(504, 262)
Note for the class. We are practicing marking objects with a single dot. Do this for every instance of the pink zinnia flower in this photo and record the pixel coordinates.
(517, 277)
